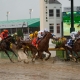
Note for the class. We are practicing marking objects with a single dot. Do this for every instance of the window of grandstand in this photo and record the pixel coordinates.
(58, 28)
(51, 12)
(57, 12)
(51, 28)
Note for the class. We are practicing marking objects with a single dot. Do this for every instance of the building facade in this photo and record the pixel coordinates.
(51, 18)
(26, 25)
(13, 27)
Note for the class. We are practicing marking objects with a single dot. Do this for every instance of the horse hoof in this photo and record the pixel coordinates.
(33, 60)
(26, 62)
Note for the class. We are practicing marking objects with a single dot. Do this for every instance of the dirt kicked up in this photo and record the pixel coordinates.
(40, 70)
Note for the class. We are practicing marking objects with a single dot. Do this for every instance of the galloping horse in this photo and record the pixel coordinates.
(27, 45)
(5, 45)
(44, 45)
(75, 48)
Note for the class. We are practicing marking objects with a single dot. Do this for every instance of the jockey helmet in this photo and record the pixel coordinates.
(36, 32)
(31, 35)
(45, 30)
(6, 31)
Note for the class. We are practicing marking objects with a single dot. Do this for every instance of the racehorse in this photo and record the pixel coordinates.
(43, 45)
(75, 48)
(5, 46)
(27, 45)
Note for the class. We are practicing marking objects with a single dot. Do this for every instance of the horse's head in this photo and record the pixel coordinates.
(49, 35)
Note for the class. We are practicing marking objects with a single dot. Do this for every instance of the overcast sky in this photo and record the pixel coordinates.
(19, 9)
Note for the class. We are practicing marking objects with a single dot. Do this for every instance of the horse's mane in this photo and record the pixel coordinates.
(44, 36)
(7, 37)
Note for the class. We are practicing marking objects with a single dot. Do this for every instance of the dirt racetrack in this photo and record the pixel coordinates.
(40, 70)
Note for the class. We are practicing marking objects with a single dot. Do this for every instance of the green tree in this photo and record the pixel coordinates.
(19, 33)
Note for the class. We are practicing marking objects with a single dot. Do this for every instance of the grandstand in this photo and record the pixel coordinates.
(14, 25)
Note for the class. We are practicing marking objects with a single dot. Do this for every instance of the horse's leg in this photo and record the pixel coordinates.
(25, 50)
(76, 53)
(40, 55)
(77, 56)
(67, 55)
(8, 55)
(12, 51)
(37, 55)
(33, 56)
(33, 52)
(72, 56)
(49, 55)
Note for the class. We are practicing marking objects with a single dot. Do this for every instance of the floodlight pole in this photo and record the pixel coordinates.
(30, 10)
(7, 14)
(22, 26)
(72, 16)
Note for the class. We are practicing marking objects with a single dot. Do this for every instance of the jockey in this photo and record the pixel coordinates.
(3, 34)
(31, 36)
(35, 34)
(74, 35)
(34, 38)
(15, 35)
(40, 35)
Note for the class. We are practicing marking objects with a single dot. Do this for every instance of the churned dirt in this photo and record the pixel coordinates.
(40, 70)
